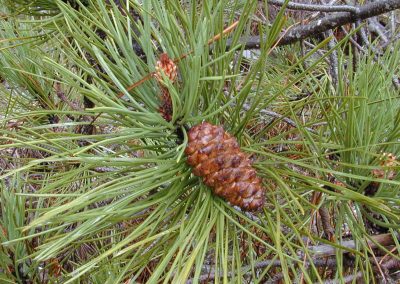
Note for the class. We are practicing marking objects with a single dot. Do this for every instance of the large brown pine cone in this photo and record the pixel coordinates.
(216, 157)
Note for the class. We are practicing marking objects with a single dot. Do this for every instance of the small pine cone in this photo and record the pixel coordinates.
(166, 65)
(216, 157)
(166, 105)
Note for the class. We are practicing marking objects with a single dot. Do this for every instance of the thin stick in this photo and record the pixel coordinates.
(224, 32)
(138, 83)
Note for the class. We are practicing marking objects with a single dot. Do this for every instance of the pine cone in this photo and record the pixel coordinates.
(216, 157)
(166, 65)
(166, 105)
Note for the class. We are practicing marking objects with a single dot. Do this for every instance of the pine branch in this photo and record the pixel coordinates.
(326, 23)
(312, 7)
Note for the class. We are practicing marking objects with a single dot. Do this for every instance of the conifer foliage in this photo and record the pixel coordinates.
(127, 127)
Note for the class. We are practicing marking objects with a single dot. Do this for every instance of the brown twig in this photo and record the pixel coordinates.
(136, 84)
(377, 264)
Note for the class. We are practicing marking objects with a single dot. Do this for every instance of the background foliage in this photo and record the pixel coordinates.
(94, 186)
